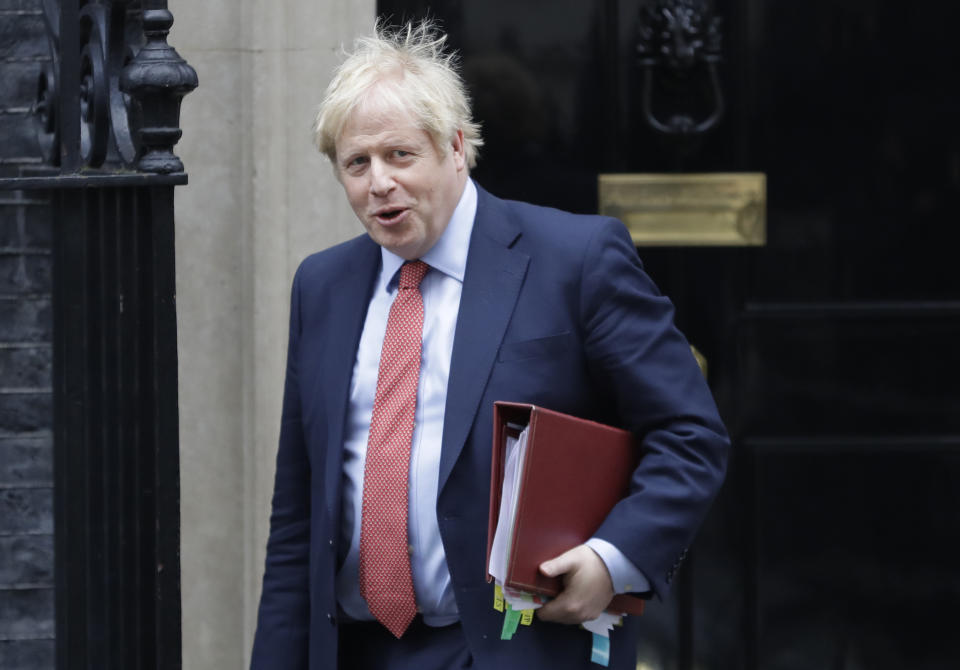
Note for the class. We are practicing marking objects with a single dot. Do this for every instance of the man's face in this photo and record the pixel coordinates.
(402, 188)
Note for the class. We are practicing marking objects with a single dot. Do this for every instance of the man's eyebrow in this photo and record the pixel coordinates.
(394, 141)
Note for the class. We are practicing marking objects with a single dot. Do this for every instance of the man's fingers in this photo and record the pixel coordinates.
(564, 609)
(551, 568)
(559, 565)
(587, 588)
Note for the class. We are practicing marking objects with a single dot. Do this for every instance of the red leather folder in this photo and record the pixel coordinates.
(575, 471)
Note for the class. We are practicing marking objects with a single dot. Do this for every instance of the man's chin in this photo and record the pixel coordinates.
(403, 243)
(406, 253)
(405, 248)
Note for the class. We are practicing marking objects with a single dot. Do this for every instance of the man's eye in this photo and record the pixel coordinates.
(356, 161)
(400, 153)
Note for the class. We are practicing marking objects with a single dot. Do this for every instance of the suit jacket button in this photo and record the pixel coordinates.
(332, 619)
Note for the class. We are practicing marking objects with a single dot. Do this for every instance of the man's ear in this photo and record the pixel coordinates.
(459, 156)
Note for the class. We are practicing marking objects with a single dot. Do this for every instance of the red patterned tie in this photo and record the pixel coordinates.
(385, 579)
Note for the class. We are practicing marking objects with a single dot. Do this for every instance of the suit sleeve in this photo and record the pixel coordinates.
(634, 349)
(281, 639)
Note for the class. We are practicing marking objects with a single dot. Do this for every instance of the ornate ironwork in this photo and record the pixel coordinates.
(48, 94)
(94, 91)
(158, 79)
(680, 41)
(130, 86)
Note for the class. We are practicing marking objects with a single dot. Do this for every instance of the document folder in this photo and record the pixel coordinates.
(573, 474)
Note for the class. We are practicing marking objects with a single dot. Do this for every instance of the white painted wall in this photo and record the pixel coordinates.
(260, 198)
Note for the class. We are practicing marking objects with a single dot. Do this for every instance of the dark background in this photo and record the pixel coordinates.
(833, 350)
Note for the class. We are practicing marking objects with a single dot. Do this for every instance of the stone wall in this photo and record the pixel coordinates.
(260, 198)
(26, 443)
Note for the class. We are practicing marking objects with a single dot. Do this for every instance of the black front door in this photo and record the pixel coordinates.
(832, 349)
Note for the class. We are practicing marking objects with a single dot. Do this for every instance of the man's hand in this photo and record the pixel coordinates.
(587, 588)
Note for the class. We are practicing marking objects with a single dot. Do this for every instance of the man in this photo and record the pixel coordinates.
(376, 556)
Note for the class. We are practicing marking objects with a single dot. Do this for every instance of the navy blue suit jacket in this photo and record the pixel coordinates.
(556, 311)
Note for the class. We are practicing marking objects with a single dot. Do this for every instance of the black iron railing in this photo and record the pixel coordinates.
(107, 116)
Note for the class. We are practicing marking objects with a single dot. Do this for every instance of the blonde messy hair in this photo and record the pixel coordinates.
(411, 70)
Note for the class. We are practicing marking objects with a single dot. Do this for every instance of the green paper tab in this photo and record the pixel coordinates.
(600, 654)
(510, 622)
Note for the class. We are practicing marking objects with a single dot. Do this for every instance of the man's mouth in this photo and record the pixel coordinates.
(389, 216)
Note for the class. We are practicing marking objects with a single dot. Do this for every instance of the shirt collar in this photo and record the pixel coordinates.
(449, 254)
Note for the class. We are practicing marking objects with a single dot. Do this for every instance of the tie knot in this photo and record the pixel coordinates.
(412, 273)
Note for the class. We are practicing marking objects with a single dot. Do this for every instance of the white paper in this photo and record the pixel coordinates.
(514, 453)
(521, 600)
(603, 624)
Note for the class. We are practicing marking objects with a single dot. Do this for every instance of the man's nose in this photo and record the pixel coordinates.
(381, 178)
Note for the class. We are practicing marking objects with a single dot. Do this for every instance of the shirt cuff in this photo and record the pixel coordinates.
(626, 577)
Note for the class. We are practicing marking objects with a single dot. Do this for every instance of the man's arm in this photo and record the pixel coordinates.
(634, 349)
(281, 639)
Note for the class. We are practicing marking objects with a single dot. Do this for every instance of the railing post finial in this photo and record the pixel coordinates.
(157, 79)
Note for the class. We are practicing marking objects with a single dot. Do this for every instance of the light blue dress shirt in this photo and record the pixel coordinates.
(441, 290)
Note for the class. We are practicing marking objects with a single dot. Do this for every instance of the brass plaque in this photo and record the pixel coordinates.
(721, 209)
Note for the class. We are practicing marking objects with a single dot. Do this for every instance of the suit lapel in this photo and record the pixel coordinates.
(349, 299)
(491, 284)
